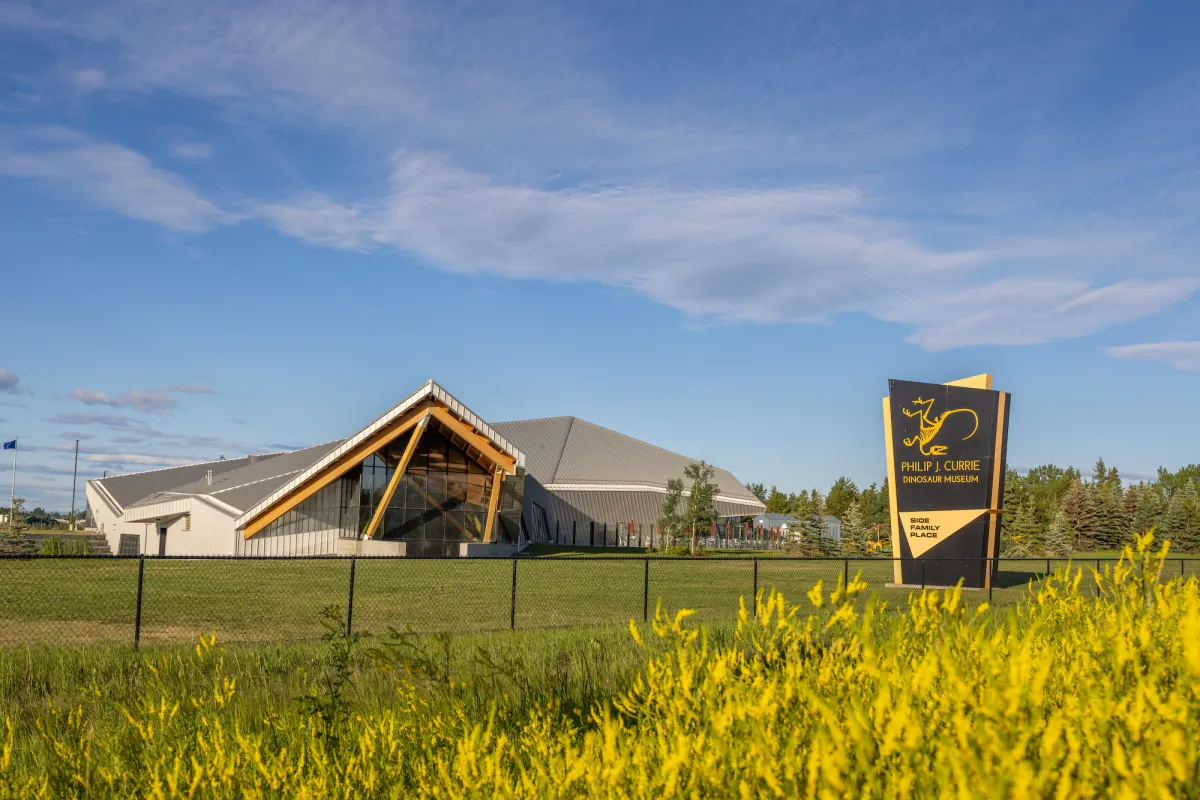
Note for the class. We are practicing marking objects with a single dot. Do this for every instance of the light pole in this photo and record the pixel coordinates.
(74, 479)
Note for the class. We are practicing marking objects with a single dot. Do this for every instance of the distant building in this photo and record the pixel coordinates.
(782, 522)
(831, 527)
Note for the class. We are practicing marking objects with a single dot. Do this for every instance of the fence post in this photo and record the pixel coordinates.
(923, 562)
(350, 601)
(755, 601)
(574, 527)
(646, 591)
(512, 617)
(606, 534)
(991, 579)
(592, 533)
(1047, 566)
(846, 573)
(137, 620)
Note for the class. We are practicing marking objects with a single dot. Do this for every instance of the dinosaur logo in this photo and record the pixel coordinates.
(930, 428)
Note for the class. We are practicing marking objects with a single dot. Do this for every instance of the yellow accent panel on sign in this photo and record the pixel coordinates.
(924, 529)
(982, 381)
(892, 502)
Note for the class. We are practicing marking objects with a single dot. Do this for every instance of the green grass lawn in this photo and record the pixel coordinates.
(53, 601)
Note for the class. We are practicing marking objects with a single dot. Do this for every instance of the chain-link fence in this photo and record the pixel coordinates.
(147, 600)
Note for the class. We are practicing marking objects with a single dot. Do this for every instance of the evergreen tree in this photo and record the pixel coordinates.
(841, 495)
(1030, 528)
(1015, 539)
(13, 541)
(1060, 538)
(758, 490)
(1181, 524)
(777, 502)
(854, 531)
(1081, 513)
(1100, 472)
(1112, 526)
(1013, 496)
(1148, 507)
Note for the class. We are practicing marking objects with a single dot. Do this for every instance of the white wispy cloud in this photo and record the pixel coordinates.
(152, 401)
(137, 459)
(1181, 355)
(711, 194)
(10, 383)
(107, 176)
(146, 401)
(802, 254)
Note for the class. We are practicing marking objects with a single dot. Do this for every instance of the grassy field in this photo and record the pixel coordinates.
(53, 601)
(1092, 693)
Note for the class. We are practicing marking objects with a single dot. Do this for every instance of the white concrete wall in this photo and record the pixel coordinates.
(108, 521)
(212, 532)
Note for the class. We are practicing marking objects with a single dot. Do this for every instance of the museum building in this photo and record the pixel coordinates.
(429, 478)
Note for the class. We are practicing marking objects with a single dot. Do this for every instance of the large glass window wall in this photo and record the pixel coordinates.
(441, 499)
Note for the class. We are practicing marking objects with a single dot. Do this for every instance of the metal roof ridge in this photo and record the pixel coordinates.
(563, 449)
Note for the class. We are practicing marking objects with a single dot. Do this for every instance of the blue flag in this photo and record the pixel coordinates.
(11, 445)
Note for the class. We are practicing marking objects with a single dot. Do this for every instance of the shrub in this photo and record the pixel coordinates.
(59, 546)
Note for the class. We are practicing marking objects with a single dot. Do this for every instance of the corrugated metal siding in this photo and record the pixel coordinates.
(167, 506)
(615, 509)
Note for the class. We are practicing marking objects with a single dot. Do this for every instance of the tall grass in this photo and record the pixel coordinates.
(1070, 694)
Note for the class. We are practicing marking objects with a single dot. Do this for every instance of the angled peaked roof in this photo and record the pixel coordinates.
(431, 391)
(569, 453)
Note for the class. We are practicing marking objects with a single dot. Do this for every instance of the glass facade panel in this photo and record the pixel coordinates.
(441, 500)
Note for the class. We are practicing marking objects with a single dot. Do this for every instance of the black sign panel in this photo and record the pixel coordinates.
(947, 450)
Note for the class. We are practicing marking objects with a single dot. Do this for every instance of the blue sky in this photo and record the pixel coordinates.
(231, 227)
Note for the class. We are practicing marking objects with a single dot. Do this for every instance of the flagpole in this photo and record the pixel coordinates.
(74, 480)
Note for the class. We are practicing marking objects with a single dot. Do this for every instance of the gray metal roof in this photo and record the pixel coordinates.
(541, 440)
(129, 489)
(568, 450)
(246, 485)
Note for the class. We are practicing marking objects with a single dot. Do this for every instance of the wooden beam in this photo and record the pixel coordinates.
(493, 503)
(480, 443)
(341, 467)
(377, 517)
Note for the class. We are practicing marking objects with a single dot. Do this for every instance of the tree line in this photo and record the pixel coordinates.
(1049, 510)
(1053, 511)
